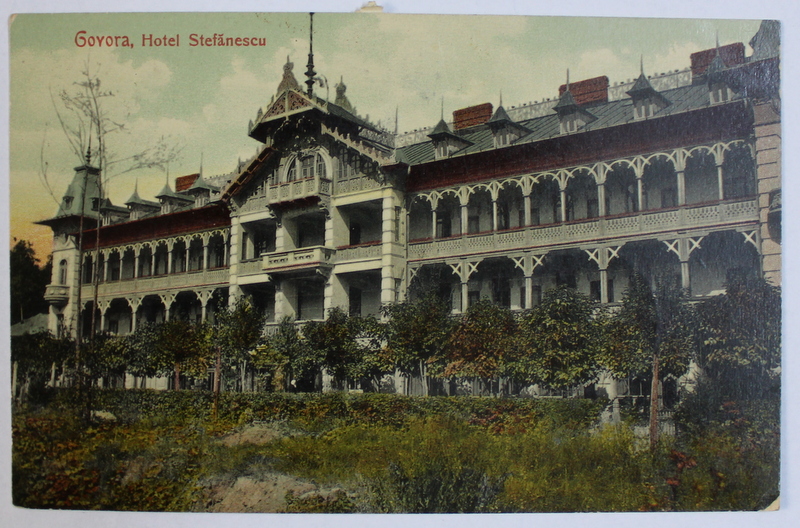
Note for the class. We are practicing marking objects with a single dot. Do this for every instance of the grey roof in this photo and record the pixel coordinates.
(612, 113)
(642, 85)
(499, 116)
(440, 128)
(136, 200)
(167, 192)
(566, 101)
(201, 184)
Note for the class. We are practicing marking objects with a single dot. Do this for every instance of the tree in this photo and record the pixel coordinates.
(184, 348)
(559, 341)
(653, 333)
(236, 334)
(345, 344)
(36, 359)
(294, 365)
(28, 282)
(480, 342)
(416, 333)
(740, 338)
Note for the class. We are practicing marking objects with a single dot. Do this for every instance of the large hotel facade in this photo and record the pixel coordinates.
(673, 175)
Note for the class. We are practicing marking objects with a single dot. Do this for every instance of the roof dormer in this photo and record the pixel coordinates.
(172, 201)
(718, 89)
(570, 114)
(445, 142)
(504, 130)
(646, 100)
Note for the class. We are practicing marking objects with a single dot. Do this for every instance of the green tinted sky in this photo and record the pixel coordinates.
(203, 98)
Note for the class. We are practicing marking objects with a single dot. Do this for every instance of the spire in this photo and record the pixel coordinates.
(641, 64)
(396, 110)
(288, 82)
(201, 164)
(442, 116)
(501, 99)
(310, 66)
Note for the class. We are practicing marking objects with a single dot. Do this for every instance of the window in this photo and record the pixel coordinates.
(291, 174)
(95, 204)
(443, 227)
(320, 167)
(307, 167)
(355, 301)
(355, 234)
(62, 272)
(473, 296)
(67, 202)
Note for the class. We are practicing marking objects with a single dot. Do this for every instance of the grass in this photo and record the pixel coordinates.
(387, 454)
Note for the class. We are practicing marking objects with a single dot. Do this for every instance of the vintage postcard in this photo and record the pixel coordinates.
(384, 263)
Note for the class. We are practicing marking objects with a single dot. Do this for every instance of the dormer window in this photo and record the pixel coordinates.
(720, 93)
(67, 202)
(95, 204)
(570, 124)
(646, 100)
(501, 139)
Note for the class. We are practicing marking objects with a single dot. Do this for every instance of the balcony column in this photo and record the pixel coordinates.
(188, 252)
(103, 308)
(136, 254)
(134, 303)
(464, 218)
(464, 295)
(681, 187)
(387, 240)
(720, 183)
(170, 255)
(527, 207)
(153, 261)
(105, 268)
(280, 237)
(639, 192)
(563, 193)
(280, 302)
(433, 223)
(204, 264)
(494, 213)
(601, 200)
(329, 229)
(204, 297)
(167, 299)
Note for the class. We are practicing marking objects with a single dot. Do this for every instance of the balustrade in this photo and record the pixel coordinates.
(583, 230)
(360, 252)
(303, 258)
(160, 282)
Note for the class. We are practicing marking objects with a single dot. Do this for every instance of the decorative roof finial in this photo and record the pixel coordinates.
(201, 163)
(310, 66)
(396, 121)
(641, 64)
(442, 116)
(501, 98)
(567, 80)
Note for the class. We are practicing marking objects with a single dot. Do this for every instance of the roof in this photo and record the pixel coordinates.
(609, 114)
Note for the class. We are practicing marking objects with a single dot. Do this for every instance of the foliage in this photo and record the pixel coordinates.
(345, 345)
(106, 356)
(182, 347)
(480, 341)
(28, 282)
(649, 324)
(560, 340)
(740, 339)
(36, 355)
(415, 333)
(238, 331)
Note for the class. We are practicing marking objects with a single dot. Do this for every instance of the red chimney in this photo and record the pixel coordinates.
(184, 182)
(590, 91)
(471, 116)
(731, 55)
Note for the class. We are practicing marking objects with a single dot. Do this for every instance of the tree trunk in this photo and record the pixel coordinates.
(177, 376)
(14, 381)
(424, 375)
(654, 404)
(217, 376)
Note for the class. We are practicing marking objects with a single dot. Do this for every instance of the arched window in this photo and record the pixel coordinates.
(62, 272)
(291, 173)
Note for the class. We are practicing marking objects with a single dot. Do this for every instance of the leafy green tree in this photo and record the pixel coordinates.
(28, 282)
(35, 356)
(145, 359)
(559, 341)
(654, 333)
(291, 362)
(480, 342)
(236, 334)
(346, 345)
(416, 333)
(105, 357)
(183, 348)
(740, 338)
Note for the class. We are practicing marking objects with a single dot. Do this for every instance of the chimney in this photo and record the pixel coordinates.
(731, 55)
(184, 182)
(589, 91)
(472, 116)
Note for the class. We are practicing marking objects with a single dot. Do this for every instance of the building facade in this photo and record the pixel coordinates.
(675, 176)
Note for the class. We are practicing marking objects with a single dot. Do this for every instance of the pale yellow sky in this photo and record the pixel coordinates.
(202, 98)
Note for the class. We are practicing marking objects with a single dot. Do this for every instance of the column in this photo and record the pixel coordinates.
(464, 295)
(464, 218)
(527, 205)
(528, 292)
(134, 304)
(188, 252)
(640, 192)
(136, 255)
(563, 194)
(153, 260)
(601, 200)
(105, 268)
(204, 264)
(494, 214)
(329, 229)
(433, 222)
(720, 184)
(681, 187)
(604, 285)
(387, 240)
(170, 251)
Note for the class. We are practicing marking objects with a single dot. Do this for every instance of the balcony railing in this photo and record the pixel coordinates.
(160, 282)
(298, 189)
(298, 259)
(583, 230)
(365, 251)
(56, 294)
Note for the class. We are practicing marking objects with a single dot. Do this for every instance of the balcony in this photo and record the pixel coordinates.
(303, 259)
(299, 189)
(56, 294)
(365, 251)
(643, 223)
(154, 284)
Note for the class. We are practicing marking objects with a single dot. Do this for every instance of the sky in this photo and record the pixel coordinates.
(200, 99)
(206, 99)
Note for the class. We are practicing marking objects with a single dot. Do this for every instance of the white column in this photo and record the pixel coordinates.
(464, 296)
(433, 223)
(204, 264)
(681, 187)
(720, 183)
(601, 200)
(105, 268)
(494, 214)
(527, 202)
(136, 255)
(464, 218)
(387, 240)
(640, 192)
(563, 205)
(528, 292)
